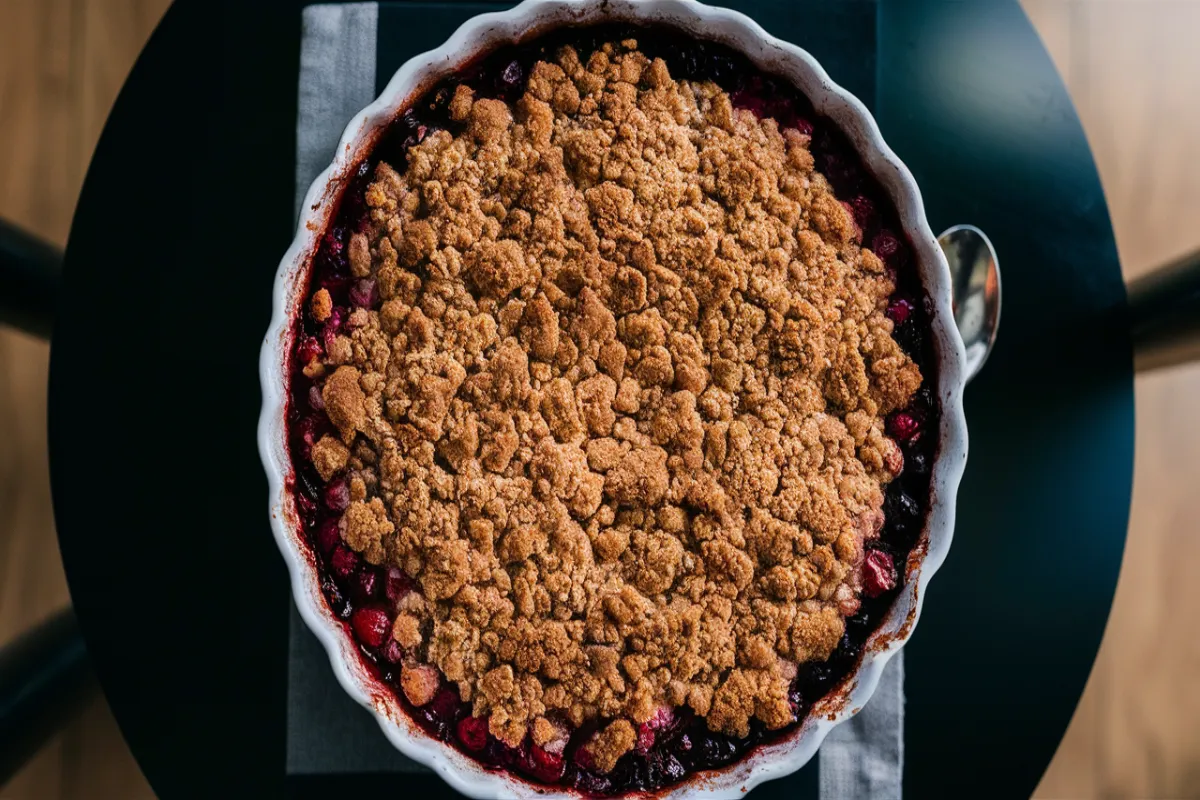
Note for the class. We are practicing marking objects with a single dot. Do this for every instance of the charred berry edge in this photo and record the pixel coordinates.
(350, 585)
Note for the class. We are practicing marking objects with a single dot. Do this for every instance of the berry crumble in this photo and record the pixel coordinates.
(608, 408)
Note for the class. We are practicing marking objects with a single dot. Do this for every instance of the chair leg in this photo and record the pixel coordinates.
(45, 679)
(30, 273)
(1165, 314)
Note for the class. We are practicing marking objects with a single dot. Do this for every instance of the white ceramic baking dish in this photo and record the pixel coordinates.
(480, 35)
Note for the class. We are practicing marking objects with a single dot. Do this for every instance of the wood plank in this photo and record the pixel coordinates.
(39, 171)
(1134, 72)
(37, 189)
(1150, 737)
(114, 32)
(1138, 100)
(61, 65)
(1055, 22)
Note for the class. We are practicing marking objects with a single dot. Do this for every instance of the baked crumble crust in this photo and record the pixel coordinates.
(619, 410)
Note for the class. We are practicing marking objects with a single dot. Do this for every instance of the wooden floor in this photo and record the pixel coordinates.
(1133, 68)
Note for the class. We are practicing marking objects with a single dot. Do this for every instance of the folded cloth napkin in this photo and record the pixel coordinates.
(862, 758)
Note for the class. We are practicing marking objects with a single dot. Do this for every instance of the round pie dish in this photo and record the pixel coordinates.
(941, 455)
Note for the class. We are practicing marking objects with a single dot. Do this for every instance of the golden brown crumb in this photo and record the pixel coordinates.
(359, 256)
(611, 743)
(419, 683)
(329, 456)
(364, 527)
(620, 413)
(321, 305)
(551, 737)
(345, 402)
(406, 630)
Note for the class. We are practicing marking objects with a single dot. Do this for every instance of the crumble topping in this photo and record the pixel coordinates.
(616, 403)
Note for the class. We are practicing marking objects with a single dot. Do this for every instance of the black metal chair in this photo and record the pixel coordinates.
(45, 675)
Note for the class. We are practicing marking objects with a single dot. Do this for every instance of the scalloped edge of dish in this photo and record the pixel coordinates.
(477, 36)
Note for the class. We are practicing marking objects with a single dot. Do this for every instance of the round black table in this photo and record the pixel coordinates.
(161, 503)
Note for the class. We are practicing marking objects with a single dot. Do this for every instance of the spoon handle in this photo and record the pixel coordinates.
(1164, 312)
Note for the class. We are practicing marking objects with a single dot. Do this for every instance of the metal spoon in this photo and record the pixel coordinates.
(975, 283)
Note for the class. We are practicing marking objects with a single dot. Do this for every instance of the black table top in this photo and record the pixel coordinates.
(160, 499)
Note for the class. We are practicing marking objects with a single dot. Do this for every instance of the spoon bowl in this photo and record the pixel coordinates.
(975, 280)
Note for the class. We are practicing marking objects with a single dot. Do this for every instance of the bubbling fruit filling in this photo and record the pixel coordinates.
(611, 414)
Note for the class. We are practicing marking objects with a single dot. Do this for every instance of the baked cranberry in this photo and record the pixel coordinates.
(333, 326)
(684, 743)
(316, 400)
(335, 283)
(337, 495)
(593, 783)
(337, 602)
(858, 231)
(749, 100)
(715, 749)
(782, 110)
(354, 200)
(583, 757)
(510, 76)
(445, 704)
(906, 506)
(795, 700)
(664, 767)
(803, 125)
(343, 562)
(307, 350)
(663, 719)
(546, 766)
(903, 427)
(863, 210)
(328, 535)
(365, 293)
(334, 240)
(501, 753)
(887, 247)
(393, 652)
(902, 511)
(841, 171)
(473, 733)
(332, 252)
(645, 738)
(899, 310)
(443, 711)
(337, 318)
(911, 339)
(366, 585)
(371, 625)
(397, 585)
(308, 428)
(879, 573)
